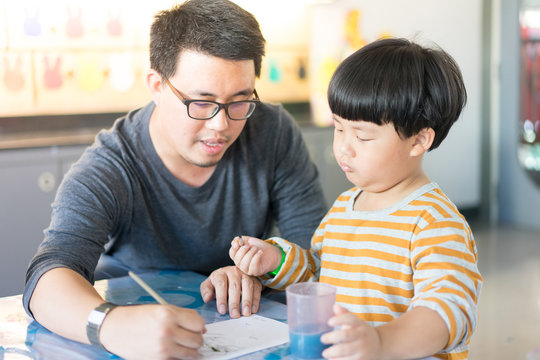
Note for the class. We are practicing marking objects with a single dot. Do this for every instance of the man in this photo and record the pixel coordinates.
(171, 184)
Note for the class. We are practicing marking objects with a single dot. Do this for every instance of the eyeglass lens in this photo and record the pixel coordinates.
(239, 110)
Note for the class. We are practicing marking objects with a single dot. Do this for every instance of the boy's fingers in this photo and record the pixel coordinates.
(345, 320)
(247, 260)
(338, 309)
(232, 253)
(255, 265)
(241, 253)
(330, 337)
(341, 335)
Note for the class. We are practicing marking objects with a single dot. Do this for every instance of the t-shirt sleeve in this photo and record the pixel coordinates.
(84, 213)
(299, 265)
(446, 276)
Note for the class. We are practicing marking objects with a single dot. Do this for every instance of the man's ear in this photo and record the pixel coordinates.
(422, 141)
(154, 81)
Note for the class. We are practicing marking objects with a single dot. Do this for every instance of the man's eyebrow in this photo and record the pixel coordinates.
(245, 92)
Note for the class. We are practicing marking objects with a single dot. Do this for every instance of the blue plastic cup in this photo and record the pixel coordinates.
(309, 307)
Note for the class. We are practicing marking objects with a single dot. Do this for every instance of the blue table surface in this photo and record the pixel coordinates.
(23, 338)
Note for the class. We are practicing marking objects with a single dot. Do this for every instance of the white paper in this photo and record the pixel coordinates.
(231, 338)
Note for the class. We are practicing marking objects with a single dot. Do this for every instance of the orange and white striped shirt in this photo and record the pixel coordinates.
(419, 252)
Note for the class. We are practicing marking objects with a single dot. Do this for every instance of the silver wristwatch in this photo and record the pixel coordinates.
(95, 320)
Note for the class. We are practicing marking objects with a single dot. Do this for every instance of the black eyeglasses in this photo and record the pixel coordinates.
(206, 109)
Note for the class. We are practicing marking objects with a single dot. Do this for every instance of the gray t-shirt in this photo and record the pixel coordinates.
(119, 198)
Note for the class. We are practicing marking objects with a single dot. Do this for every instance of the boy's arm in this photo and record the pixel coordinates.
(288, 262)
(446, 276)
(253, 256)
(418, 333)
(298, 264)
(277, 262)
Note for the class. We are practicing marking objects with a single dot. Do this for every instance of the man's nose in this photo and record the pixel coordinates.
(220, 121)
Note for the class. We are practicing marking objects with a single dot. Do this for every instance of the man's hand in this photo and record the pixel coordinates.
(254, 256)
(153, 332)
(229, 283)
(63, 299)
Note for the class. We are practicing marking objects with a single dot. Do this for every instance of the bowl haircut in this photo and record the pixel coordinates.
(400, 82)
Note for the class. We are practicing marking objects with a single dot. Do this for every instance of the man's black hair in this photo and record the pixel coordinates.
(214, 27)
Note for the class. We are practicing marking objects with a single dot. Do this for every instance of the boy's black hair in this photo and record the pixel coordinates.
(214, 27)
(400, 82)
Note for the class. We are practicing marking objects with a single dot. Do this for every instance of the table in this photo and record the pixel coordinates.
(23, 338)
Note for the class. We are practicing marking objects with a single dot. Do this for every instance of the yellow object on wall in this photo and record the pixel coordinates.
(284, 76)
(329, 48)
(89, 82)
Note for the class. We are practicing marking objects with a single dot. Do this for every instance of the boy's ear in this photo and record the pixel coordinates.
(422, 141)
(154, 81)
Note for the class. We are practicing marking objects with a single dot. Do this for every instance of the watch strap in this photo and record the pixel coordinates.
(95, 320)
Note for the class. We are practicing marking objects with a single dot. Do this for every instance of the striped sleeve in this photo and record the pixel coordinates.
(444, 261)
(300, 265)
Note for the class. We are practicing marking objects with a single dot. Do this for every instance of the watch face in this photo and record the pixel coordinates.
(95, 319)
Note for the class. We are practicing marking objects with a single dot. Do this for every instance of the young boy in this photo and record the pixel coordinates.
(402, 257)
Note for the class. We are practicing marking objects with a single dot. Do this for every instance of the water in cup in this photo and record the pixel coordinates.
(309, 307)
(306, 342)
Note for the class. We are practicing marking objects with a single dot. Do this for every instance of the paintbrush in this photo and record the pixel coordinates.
(156, 296)
(147, 287)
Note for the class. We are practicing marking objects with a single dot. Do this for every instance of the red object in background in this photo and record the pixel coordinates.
(52, 78)
(530, 76)
(74, 26)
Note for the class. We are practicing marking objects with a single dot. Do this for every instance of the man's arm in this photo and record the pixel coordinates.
(63, 299)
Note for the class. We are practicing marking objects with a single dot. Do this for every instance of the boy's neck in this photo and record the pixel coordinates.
(373, 201)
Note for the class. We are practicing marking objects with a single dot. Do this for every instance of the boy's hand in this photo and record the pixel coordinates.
(254, 256)
(354, 339)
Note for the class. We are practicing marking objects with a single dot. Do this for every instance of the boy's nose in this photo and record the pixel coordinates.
(345, 148)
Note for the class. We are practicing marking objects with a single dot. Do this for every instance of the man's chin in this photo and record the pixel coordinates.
(206, 163)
